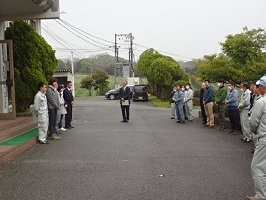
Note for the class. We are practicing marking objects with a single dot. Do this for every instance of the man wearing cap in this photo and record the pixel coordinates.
(220, 101)
(243, 109)
(257, 125)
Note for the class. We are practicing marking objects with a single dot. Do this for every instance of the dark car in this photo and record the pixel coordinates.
(114, 93)
(140, 92)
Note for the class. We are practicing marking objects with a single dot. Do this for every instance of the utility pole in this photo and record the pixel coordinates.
(72, 69)
(128, 38)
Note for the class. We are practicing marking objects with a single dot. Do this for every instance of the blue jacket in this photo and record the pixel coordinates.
(208, 94)
(179, 97)
(232, 99)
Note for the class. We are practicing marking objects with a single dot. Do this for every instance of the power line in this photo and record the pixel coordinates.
(79, 36)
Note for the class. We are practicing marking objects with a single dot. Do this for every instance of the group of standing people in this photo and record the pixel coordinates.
(51, 104)
(246, 115)
(182, 103)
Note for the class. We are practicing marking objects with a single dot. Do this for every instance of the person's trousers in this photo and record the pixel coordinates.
(60, 124)
(244, 118)
(43, 126)
(125, 112)
(209, 113)
(221, 115)
(189, 110)
(180, 112)
(52, 121)
(173, 109)
(234, 120)
(203, 114)
(68, 117)
(258, 169)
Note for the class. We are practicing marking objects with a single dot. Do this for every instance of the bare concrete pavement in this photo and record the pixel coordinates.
(102, 158)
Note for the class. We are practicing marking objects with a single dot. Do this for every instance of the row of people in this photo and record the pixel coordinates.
(51, 105)
(182, 103)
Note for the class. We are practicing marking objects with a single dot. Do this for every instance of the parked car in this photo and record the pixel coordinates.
(114, 93)
(140, 92)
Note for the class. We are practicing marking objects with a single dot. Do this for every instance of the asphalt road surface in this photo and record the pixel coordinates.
(151, 157)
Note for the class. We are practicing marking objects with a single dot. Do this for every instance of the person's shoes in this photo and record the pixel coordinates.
(247, 140)
(183, 122)
(211, 126)
(62, 129)
(172, 117)
(178, 121)
(243, 139)
(43, 142)
(67, 127)
(59, 131)
(206, 125)
(231, 131)
(251, 198)
(126, 121)
(224, 128)
(123, 121)
(236, 133)
(55, 137)
(72, 126)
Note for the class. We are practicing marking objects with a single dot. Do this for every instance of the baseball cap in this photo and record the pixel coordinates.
(262, 81)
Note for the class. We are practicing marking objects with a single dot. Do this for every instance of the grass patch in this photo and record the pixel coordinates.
(158, 102)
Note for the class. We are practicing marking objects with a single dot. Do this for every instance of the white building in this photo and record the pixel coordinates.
(11, 10)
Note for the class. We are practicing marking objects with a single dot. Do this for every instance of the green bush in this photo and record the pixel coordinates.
(34, 61)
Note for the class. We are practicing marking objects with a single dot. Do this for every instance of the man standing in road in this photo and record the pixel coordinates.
(232, 103)
(53, 107)
(41, 112)
(243, 109)
(172, 102)
(69, 100)
(188, 100)
(203, 114)
(220, 101)
(124, 94)
(258, 126)
(179, 101)
(208, 103)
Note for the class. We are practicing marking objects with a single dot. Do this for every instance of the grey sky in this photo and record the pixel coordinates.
(189, 28)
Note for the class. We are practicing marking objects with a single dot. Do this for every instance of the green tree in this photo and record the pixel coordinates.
(100, 83)
(34, 61)
(161, 72)
(243, 58)
(87, 82)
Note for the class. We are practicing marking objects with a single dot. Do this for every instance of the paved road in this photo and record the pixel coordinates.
(102, 158)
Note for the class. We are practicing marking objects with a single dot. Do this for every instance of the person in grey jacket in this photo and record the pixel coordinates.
(243, 109)
(188, 100)
(179, 101)
(53, 107)
(232, 103)
(257, 125)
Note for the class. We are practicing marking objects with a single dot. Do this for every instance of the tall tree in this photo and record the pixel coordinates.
(34, 61)
(243, 58)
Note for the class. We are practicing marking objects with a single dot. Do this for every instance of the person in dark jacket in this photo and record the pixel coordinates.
(203, 114)
(124, 94)
(69, 101)
(208, 103)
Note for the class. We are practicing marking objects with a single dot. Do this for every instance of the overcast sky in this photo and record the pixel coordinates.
(186, 28)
